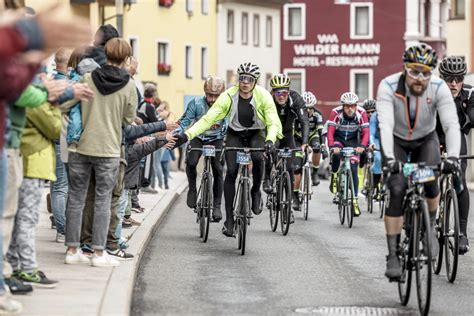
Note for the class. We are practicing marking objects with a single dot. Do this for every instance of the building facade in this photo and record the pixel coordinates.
(333, 46)
(248, 31)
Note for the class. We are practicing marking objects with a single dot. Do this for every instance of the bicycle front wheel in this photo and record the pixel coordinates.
(370, 191)
(451, 234)
(349, 199)
(306, 192)
(273, 210)
(341, 188)
(422, 257)
(242, 218)
(285, 202)
(206, 207)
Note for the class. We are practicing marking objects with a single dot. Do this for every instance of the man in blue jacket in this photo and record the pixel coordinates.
(197, 108)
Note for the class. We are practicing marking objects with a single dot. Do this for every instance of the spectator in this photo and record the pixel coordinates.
(98, 151)
(168, 155)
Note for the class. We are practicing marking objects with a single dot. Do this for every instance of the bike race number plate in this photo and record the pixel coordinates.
(348, 151)
(243, 158)
(423, 175)
(209, 151)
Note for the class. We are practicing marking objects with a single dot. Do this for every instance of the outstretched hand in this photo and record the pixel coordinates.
(170, 126)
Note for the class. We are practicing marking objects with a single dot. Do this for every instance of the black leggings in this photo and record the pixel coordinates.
(288, 141)
(192, 159)
(254, 139)
(313, 143)
(425, 150)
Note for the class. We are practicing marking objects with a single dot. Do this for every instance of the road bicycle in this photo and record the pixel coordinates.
(306, 190)
(241, 204)
(345, 188)
(205, 202)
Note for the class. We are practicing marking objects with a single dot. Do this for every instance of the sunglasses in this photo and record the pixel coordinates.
(370, 112)
(281, 93)
(245, 78)
(450, 79)
(416, 74)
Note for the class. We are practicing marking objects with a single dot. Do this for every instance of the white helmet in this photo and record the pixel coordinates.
(349, 98)
(249, 69)
(310, 99)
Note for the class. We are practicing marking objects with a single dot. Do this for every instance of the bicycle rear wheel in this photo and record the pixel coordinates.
(341, 187)
(349, 199)
(306, 192)
(451, 234)
(438, 261)
(285, 202)
(422, 257)
(206, 207)
(273, 210)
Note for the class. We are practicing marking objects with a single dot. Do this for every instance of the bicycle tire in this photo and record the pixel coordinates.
(244, 212)
(451, 235)
(306, 193)
(207, 207)
(199, 211)
(350, 200)
(423, 264)
(370, 192)
(285, 202)
(404, 284)
(438, 261)
(237, 206)
(340, 204)
(382, 201)
(272, 206)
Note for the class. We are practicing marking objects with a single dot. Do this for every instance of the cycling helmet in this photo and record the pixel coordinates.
(310, 99)
(421, 54)
(214, 85)
(453, 66)
(280, 81)
(349, 98)
(369, 105)
(249, 69)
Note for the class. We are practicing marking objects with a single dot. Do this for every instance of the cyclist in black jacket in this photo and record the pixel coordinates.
(452, 70)
(290, 106)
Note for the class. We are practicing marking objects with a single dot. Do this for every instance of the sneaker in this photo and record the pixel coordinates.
(17, 287)
(9, 306)
(131, 221)
(292, 218)
(149, 190)
(119, 254)
(355, 205)
(104, 261)
(314, 177)
(228, 232)
(60, 238)
(126, 223)
(335, 199)
(53, 222)
(463, 244)
(138, 209)
(191, 198)
(77, 258)
(296, 202)
(123, 244)
(393, 271)
(257, 203)
(333, 183)
(37, 278)
(267, 186)
(216, 215)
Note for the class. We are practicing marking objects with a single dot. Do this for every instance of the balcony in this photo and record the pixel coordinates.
(165, 3)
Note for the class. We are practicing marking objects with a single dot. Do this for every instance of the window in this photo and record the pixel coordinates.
(294, 21)
(164, 65)
(256, 30)
(361, 82)
(458, 9)
(189, 62)
(268, 31)
(245, 28)
(134, 45)
(231, 78)
(298, 79)
(230, 26)
(204, 7)
(268, 77)
(362, 20)
(204, 63)
(189, 6)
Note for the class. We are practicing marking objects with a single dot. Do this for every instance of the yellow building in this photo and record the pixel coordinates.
(175, 41)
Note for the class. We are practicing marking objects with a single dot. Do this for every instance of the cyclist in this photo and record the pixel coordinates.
(407, 103)
(374, 141)
(251, 111)
(290, 106)
(315, 125)
(197, 108)
(348, 126)
(452, 70)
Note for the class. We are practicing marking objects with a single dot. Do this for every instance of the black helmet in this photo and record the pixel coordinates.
(369, 105)
(453, 66)
(422, 54)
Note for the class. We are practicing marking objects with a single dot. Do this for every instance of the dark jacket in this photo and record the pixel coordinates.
(146, 111)
(295, 108)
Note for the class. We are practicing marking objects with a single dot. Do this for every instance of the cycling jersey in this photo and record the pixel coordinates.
(315, 125)
(196, 109)
(294, 110)
(266, 116)
(344, 129)
(394, 102)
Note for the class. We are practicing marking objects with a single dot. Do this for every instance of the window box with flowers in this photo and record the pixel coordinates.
(166, 3)
(164, 69)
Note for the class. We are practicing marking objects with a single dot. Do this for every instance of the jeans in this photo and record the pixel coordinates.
(165, 166)
(121, 212)
(3, 182)
(22, 253)
(157, 167)
(105, 173)
(59, 193)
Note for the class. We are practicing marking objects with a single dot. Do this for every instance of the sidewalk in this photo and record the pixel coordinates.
(86, 290)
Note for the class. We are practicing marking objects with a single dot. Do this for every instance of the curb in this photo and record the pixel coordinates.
(117, 298)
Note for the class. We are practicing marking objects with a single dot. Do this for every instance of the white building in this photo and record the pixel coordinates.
(248, 31)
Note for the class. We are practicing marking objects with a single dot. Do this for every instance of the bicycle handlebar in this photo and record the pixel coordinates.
(244, 149)
(202, 149)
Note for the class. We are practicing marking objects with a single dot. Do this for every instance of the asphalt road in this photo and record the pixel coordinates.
(319, 263)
